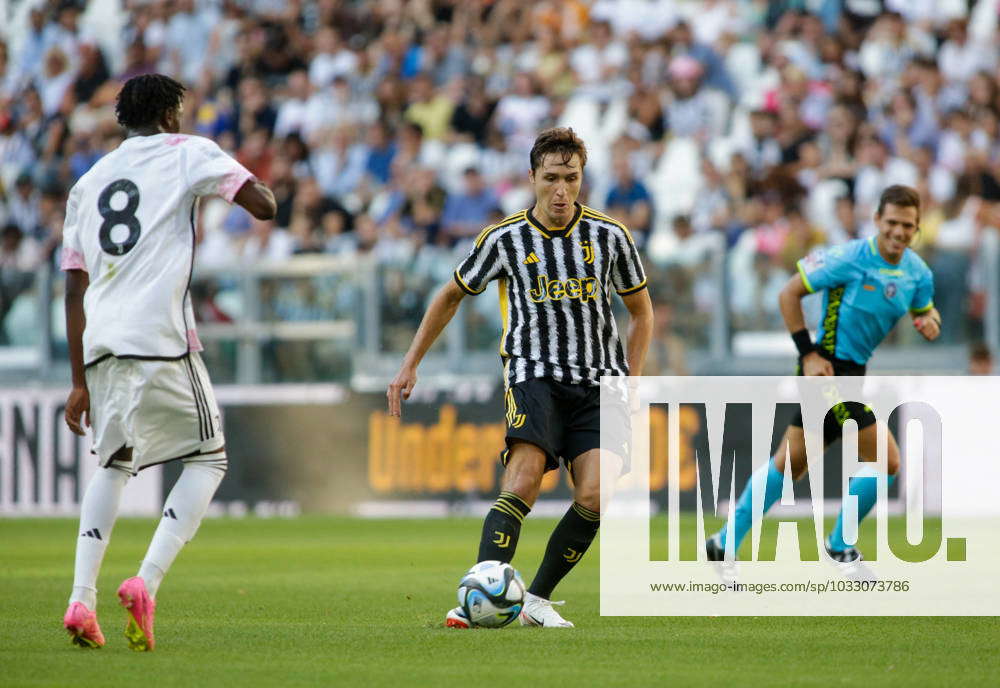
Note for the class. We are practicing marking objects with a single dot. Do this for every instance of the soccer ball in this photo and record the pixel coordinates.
(491, 594)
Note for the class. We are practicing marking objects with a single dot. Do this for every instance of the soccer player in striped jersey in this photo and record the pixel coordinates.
(867, 285)
(557, 265)
(128, 253)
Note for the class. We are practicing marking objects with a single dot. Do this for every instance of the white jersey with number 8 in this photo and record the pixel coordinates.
(130, 226)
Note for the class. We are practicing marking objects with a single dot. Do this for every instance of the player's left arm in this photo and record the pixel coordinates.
(257, 199)
(928, 323)
(640, 329)
(926, 318)
(629, 279)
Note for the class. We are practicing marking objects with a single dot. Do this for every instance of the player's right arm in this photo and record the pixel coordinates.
(78, 404)
(74, 264)
(821, 269)
(483, 264)
(790, 301)
(442, 309)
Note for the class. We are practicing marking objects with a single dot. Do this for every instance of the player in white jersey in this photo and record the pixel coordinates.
(138, 379)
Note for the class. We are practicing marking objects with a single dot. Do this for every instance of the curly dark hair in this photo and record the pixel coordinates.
(561, 141)
(144, 100)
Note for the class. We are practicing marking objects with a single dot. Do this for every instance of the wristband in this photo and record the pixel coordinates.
(803, 342)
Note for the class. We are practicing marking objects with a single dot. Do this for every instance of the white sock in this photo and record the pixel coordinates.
(98, 512)
(185, 507)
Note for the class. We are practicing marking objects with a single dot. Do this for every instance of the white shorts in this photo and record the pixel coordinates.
(163, 410)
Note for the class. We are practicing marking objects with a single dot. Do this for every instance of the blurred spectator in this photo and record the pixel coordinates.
(954, 244)
(520, 114)
(629, 201)
(22, 205)
(18, 260)
(690, 112)
(667, 351)
(432, 111)
(980, 359)
(291, 115)
(466, 213)
(960, 58)
(471, 116)
(381, 150)
(756, 121)
(332, 59)
(338, 162)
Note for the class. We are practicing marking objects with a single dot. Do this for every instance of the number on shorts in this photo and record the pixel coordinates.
(113, 218)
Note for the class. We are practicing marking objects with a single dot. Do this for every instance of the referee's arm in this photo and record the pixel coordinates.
(442, 309)
(640, 329)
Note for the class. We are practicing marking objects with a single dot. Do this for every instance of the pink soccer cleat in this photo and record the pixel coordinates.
(141, 608)
(81, 623)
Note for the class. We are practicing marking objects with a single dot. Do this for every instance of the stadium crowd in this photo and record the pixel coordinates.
(399, 129)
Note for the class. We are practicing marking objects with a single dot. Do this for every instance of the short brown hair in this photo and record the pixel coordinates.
(899, 195)
(561, 141)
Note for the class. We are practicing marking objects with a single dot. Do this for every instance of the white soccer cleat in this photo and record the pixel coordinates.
(456, 618)
(850, 564)
(538, 611)
(726, 569)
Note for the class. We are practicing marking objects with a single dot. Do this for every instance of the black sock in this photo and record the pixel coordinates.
(569, 541)
(502, 527)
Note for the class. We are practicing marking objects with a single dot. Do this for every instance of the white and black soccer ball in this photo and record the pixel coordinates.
(491, 594)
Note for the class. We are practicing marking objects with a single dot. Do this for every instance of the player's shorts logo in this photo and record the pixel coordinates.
(588, 252)
(890, 290)
(585, 289)
(514, 419)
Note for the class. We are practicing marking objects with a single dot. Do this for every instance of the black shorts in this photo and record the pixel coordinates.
(562, 419)
(842, 411)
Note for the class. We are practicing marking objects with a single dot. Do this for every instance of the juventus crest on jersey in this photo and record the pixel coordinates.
(130, 226)
(555, 293)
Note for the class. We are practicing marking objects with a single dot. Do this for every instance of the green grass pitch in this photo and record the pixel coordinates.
(333, 601)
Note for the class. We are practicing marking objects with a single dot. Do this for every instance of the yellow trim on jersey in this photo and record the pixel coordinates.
(466, 287)
(509, 220)
(632, 290)
(805, 280)
(538, 227)
(502, 288)
(575, 222)
(564, 231)
(595, 215)
(871, 245)
(925, 309)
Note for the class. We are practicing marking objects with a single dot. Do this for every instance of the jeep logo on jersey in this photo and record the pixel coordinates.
(585, 289)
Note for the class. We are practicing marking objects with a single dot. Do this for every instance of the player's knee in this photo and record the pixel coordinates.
(588, 496)
(892, 464)
(215, 463)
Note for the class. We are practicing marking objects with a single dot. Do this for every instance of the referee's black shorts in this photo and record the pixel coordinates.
(843, 410)
(562, 419)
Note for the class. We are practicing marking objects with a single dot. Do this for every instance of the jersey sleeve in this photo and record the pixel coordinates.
(627, 274)
(72, 249)
(923, 297)
(825, 268)
(481, 265)
(212, 172)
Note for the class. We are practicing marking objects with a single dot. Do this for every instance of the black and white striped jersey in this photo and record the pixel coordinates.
(555, 293)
